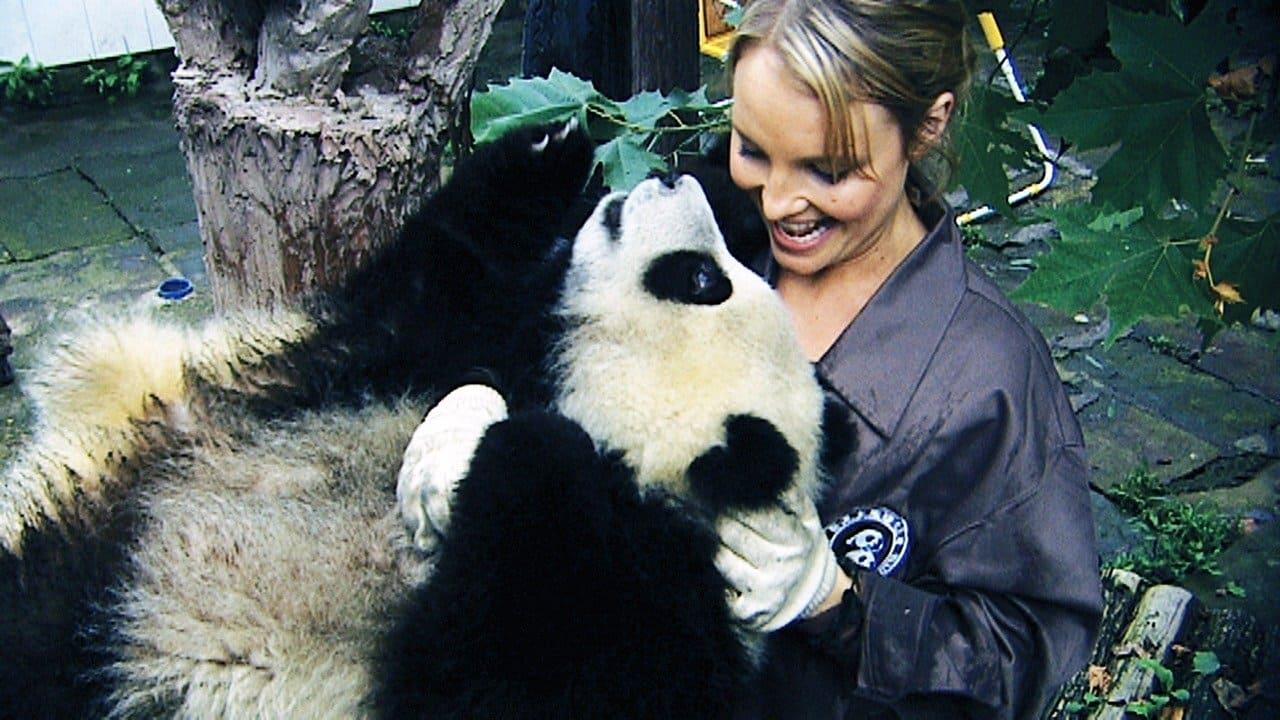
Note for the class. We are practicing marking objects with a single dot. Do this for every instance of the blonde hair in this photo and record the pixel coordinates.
(900, 54)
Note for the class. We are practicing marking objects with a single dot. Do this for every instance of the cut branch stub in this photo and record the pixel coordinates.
(449, 36)
(304, 47)
(290, 196)
(214, 34)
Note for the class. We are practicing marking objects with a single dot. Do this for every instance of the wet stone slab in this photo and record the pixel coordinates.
(1115, 532)
(38, 294)
(1121, 438)
(56, 138)
(1255, 500)
(53, 213)
(1246, 358)
(1198, 403)
(151, 189)
(1253, 563)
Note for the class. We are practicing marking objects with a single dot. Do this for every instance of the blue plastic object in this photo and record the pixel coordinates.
(175, 288)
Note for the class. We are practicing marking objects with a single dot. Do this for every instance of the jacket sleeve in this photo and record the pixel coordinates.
(1007, 610)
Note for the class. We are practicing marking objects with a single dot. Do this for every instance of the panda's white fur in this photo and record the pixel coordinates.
(268, 556)
(657, 379)
(101, 388)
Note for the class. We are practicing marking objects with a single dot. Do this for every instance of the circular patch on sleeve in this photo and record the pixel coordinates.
(873, 539)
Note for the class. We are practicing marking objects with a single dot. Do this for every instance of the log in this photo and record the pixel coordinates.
(297, 180)
(1158, 621)
(1121, 590)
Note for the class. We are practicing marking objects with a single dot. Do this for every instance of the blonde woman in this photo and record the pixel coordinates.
(968, 581)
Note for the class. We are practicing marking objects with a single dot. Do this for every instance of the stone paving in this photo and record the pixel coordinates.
(96, 210)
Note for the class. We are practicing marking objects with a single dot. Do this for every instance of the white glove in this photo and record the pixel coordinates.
(439, 454)
(777, 562)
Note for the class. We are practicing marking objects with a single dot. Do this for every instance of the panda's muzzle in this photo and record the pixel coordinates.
(688, 277)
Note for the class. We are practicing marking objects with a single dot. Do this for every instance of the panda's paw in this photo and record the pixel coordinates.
(439, 455)
(554, 159)
(750, 470)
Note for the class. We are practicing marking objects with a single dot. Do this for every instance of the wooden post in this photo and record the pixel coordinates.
(664, 45)
(622, 46)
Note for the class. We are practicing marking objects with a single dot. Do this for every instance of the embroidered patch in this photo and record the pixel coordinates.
(874, 539)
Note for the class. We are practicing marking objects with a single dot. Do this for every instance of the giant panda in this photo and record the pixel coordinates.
(205, 522)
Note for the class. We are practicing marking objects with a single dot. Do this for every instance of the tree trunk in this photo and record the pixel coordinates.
(298, 177)
(621, 46)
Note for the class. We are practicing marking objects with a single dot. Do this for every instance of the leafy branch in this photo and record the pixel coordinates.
(627, 133)
(1144, 92)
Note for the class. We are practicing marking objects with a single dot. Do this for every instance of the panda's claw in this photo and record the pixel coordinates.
(569, 127)
(541, 144)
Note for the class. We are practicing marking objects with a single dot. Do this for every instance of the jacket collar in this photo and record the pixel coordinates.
(878, 361)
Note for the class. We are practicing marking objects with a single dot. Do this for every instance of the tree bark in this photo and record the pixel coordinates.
(296, 178)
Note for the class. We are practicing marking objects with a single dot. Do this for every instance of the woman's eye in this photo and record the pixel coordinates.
(750, 152)
(827, 175)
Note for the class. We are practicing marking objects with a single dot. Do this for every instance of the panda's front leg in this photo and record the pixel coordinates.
(439, 455)
(512, 197)
(750, 470)
(773, 551)
(562, 590)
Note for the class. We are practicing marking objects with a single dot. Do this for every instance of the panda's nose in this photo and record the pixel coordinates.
(668, 179)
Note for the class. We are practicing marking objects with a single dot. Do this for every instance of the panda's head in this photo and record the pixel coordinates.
(666, 335)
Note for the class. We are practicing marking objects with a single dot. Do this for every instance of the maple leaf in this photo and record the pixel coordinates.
(1154, 107)
(986, 146)
(532, 101)
(1247, 256)
(1137, 269)
(626, 162)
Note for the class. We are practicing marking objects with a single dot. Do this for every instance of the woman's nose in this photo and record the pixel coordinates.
(780, 197)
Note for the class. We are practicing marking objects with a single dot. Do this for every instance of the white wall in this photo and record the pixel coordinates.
(58, 32)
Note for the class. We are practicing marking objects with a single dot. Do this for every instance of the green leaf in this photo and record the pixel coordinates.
(1079, 25)
(1205, 663)
(626, 162)
(1154, 107)
(645, 109)
(1235, 589)
(1108, 222)
(986, 146)
(1162, 673)
(1248, 256)
(532, 101)
(1136, 270)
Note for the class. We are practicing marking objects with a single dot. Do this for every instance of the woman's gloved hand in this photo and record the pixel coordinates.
(439, 455)
(777, 562)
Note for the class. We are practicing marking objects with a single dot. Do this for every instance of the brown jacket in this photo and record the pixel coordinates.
(965, 508)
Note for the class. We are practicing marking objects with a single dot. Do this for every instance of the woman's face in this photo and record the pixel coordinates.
(820, 212)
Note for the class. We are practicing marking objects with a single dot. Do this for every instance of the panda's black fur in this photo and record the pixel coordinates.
(564, 588)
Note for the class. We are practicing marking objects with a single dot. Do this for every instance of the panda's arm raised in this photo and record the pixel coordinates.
(507, 203)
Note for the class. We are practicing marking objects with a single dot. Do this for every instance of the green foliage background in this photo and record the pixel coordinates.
(1125, 80)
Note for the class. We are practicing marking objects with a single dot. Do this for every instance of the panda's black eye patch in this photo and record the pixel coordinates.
(687, 277)
(613, 216)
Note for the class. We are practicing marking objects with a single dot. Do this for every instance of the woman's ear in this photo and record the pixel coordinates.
(934, 124)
